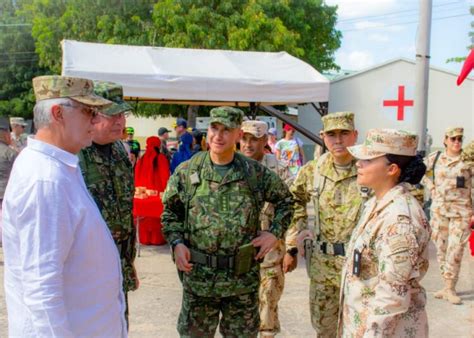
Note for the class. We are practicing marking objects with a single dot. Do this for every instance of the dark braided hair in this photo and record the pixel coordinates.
(412, 167)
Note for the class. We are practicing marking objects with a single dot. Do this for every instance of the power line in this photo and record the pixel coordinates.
(402, 23)
(415, 10)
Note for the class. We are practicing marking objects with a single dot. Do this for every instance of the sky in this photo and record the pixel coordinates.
(376, 31)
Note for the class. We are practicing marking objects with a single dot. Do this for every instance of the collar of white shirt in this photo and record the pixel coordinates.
(63, 156)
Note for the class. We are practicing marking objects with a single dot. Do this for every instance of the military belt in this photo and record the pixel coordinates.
(332, 249)
(213, 261)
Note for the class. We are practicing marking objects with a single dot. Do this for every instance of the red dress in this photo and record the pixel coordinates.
(151, 176)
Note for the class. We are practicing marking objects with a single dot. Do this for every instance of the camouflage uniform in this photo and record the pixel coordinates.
(387, 256)
(18, 142)
(386, 299)
(109, 180)
(451, 210)
(272, 278)
(223, 215)
(108, 175)
(340, 202)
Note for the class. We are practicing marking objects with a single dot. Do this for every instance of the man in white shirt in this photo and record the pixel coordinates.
(62, 269)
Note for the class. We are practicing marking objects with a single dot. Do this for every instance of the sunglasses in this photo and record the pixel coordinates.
(456, 138)
(116, 116)
(93, 112)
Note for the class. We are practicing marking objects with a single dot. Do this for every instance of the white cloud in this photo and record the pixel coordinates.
(355, 60)
(357, 8)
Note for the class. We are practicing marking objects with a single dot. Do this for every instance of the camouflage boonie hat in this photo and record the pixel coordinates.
(380, 142)
(113, 92)
(55, 87)
(18, 121)
(256, 128)
(454, 131)
(228, 116)
(340, 120)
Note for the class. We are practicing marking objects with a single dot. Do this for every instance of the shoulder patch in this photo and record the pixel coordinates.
(397, 243)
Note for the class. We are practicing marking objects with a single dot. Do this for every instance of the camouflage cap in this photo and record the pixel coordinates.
(18, 121)
(56, 86)
(340, 120)
(256, 128)
(228, 116)
(113, 92)
(380, 142)
(454, 131)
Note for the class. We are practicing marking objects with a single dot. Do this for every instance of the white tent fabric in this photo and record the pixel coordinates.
(178, 74)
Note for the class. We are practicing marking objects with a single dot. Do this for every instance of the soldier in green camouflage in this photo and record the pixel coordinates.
(330, 184)
(108, 175)
(211, 219)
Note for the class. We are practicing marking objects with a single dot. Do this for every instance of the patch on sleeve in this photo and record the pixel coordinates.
(398, 243)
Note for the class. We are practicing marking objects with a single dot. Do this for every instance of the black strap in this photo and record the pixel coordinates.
(212, 261)
(434, 165)
(333, 249)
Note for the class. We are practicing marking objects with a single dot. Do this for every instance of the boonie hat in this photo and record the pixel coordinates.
(380, 142)
(163, 131)
(339, 120)
(454, 131)
(256, 128)
(18, 120)
(228, 116)
(113, 92)
(78, 89)
(130, 130)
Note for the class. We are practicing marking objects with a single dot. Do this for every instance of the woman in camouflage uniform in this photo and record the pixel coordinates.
(387, 256)
(449, 180)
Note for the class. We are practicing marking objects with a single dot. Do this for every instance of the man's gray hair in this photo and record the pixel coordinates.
(42, 111)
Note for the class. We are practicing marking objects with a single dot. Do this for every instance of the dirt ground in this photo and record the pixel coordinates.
(154, 307)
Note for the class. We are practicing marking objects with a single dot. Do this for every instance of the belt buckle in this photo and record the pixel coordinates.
(329, 249)
(211, 261)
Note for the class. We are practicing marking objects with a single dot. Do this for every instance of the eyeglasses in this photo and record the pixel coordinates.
(456, 138)
(93, 112)
(116, 116)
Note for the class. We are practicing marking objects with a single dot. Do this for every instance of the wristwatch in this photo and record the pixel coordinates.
(176, 242)
(292, 252)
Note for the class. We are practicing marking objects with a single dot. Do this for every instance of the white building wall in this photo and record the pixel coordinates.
(448, 104)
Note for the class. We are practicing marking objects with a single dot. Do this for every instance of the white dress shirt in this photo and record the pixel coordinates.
(62, 268)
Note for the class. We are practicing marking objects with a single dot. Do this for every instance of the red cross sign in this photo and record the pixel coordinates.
(400, 103)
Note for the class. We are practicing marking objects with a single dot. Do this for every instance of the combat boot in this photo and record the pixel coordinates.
(440, 294)
(450, 294)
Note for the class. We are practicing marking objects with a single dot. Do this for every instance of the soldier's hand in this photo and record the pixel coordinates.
(182, 257)
(289, 263)
(300, 240)
(265, 241)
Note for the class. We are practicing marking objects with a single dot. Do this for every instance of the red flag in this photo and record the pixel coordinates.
(466, 68)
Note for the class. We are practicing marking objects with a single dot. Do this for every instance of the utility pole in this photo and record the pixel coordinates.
(422, 72)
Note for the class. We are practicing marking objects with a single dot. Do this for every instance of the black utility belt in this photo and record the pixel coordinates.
(331, 249)
(212, 261)
(240, 263)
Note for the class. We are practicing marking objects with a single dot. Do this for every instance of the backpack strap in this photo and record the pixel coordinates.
(438, 153)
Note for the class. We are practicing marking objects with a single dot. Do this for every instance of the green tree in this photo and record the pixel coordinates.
(251, 25)
(18, 62)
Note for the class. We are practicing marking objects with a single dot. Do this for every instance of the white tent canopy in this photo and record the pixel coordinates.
(177, 75)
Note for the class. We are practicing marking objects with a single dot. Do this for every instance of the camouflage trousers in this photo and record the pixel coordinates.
(272, 281)
(199, 316)
(324, 289)
(450, 235)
